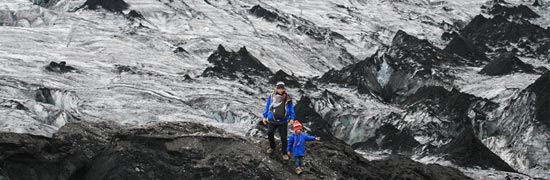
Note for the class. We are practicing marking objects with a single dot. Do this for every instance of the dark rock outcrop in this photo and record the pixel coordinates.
(125, 68)
(541, 88)
(180, 50)
(261, 12)
(391, 138)
(411, 63)
(186, 77)
(417, 56)
(309, 85)
(134, 15)
(361, 75)
(520, 11)
(405, 168)
(466, 49)
(181, 150)
(133, 70)
(110, 5)
(468, 151)
(12, 104)
(235, 64)
(44, 95)
(453, 104)
(164, 151)
(313, 120)
(332, 97)
(290, 81)
(60, 67)
(526, 123)
(451, 114)
(449, 35)
(35, 157)
(498, 33)
(506, 64)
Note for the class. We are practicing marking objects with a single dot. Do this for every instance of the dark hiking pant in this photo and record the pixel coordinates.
(282, 128)
(298, 161)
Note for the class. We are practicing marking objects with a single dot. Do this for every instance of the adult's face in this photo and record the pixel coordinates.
(280, 90)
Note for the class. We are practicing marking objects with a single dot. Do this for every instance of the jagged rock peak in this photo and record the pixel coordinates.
(506, 64)
(466, 150)
(240, 64)
(290, 81)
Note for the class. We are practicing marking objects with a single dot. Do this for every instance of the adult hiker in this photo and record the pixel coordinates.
(278, 112)
(297, 145)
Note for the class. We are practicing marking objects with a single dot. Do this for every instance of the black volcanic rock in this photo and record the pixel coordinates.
(186, 77)
(133, 14)
(111, 5)
(541, 88)
(468, 151)
(411, 62)
(361, 75)
(35, 157)
(466, 49)
(520, 11)
(457, 113)
(354, 167)
(398, 167)
(452, 104)
(526, 122)
(180, 50)
(164, 151)
(389, 137)
(125, 68)
(309, 85)
(499, 33)
(449, 35)
(60, 67)
(500, 2)
(234, 64)
(333, 98)
(13, 105)
(261, 12)
(405, 168)
(506, 64)
(290, 81)
(176, 150)
(307, 115)
(44, 95)
(412, 55)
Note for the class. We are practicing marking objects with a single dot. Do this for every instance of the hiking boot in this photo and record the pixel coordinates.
(285, 157)
(270, 151)
(298, 171)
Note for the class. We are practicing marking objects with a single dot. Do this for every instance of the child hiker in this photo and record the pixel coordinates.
(296, 145)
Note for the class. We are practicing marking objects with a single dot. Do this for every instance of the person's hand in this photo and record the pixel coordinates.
(291, 122)
(289, 153)
(264, 121)
(318, 138)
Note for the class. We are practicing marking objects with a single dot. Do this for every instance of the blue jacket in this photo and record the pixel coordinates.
(289, 110)
(297, 145)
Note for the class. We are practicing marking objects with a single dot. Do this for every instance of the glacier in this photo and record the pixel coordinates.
(147, 68)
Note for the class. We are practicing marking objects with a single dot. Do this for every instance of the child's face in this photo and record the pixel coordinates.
(298, 131)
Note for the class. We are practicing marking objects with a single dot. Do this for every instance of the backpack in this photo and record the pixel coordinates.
(279, 111)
